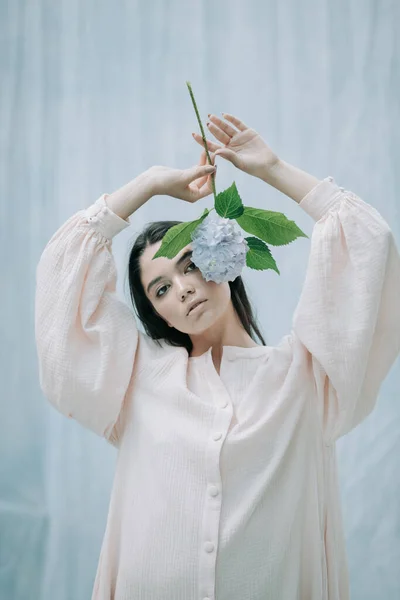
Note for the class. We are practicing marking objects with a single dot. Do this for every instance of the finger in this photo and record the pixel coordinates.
(211, 145)
(205, 190)
(229, 155)
(200, 182)
(197, 172)
(222, 125)
(236, 122)
(219, 134)
(204, 158)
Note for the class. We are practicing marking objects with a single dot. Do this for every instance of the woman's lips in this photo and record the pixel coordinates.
(197, 307)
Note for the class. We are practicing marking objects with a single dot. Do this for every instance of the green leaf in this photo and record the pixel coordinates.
(272, 227)
(259, 256)
(228, 203)
(178, 237)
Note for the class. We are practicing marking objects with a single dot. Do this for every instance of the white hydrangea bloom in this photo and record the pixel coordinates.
(219, 248)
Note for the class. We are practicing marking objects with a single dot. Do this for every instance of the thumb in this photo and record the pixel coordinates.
(199, 171)
(228, 154)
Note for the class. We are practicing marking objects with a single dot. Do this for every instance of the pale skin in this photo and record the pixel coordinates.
(215, 323)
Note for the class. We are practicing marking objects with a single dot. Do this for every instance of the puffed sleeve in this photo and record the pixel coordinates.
(86, 338)
(348, 315)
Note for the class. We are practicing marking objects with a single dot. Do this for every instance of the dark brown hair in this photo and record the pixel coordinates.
(154, 325)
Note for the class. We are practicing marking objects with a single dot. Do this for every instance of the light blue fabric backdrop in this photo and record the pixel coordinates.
(93, 93)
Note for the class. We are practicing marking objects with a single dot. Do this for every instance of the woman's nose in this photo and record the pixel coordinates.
(185, 291)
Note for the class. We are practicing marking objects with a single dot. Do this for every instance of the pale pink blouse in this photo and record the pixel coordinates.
(226, 486)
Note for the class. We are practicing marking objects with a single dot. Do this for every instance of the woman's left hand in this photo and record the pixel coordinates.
(189, 185)
(241, 145)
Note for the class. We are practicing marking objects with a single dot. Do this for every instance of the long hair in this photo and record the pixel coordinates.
(153, 323)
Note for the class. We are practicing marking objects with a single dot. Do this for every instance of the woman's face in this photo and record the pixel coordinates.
(172, 284)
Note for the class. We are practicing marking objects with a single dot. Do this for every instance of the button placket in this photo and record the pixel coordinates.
(213, 496)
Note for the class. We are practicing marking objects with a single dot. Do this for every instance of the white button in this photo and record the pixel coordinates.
(208, 546)
(214, 490)
(217, 436)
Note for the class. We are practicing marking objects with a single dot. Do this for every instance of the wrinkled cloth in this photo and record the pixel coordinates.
(226, 485)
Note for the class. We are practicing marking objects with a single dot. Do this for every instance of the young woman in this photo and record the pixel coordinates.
(226, 479)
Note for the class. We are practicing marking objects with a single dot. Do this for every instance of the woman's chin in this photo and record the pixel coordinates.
(202, 325)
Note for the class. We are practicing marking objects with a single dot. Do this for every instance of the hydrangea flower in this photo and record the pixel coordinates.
(219, 248)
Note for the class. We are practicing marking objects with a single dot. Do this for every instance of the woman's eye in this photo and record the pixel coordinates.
(158, 295)
(161, 288)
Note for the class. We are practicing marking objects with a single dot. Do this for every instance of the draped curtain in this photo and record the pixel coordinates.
(94, 93)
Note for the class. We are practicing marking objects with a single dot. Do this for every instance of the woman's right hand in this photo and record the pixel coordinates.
(189, 185)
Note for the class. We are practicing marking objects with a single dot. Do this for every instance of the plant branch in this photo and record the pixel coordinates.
(203, 136)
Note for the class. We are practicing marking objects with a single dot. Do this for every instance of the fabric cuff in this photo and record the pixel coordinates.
(104, 220)
(322, 198)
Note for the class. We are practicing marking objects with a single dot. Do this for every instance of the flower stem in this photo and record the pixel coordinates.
(203, 136)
